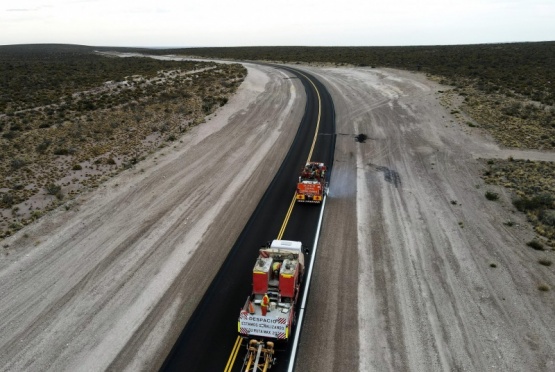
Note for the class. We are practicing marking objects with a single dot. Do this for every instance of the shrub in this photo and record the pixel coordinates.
(547, 217)
(53, 189)
(9, 135)
(490, 195)
(41, 147)
(61, 151)
(17, 163)
(545, 262)
(543, 287)
(534, 244)
(6, 200)
(77, 167)
(524, 204)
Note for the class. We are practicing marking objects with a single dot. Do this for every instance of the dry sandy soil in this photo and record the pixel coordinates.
(108, 283)
(402, 279)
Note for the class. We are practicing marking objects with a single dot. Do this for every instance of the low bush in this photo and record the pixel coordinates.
(61, 151)
(534, 244)
(53, 189)
(524, 204)
(547, 216)
(490, 195)
(6, 200)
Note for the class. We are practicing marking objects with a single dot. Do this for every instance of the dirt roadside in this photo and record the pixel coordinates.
(109, 283)
(416, 270)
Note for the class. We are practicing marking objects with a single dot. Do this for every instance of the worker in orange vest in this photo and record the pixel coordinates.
(264, 304)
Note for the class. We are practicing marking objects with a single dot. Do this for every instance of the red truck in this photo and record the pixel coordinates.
(268, 315)
(312, 183)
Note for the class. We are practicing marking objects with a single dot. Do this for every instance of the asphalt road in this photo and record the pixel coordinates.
(208, 338)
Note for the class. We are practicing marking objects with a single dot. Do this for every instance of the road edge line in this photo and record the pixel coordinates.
(294, 347)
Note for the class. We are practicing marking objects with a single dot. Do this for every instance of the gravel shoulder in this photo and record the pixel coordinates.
(404, 278)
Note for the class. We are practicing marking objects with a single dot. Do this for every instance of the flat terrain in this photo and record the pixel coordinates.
(416, 270)
(404, 280)
(110, 283)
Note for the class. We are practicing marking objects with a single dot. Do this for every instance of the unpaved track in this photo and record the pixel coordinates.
(403, 279)
(110, 283)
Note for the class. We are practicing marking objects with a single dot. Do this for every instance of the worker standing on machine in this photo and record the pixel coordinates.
(264, 304)
(275, 268)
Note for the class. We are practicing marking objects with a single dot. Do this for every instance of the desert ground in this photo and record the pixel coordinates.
(416, 270)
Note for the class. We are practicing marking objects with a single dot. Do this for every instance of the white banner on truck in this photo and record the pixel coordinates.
(256, 325)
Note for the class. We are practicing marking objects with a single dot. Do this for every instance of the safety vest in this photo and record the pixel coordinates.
(265, 301)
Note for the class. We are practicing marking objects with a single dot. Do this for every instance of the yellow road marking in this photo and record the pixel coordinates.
(318, 120)
(286, 220)
(235, 350)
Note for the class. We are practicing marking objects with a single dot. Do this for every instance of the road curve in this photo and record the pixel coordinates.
(206, 342)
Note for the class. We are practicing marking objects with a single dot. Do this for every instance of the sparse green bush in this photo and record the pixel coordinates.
(41, 147)
(544, 200)
(61, 151)
(53, 189)
(547, 216)
(534, 244)
(17, 163)
(490, 195)
(6, 200)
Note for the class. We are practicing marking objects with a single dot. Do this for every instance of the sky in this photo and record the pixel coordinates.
(203, 23)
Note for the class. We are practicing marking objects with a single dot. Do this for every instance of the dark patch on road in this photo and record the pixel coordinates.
(390, 175)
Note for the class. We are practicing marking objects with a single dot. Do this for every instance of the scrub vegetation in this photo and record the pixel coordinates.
(89, 116)
(508, 89)
(70, 118)
(533, 187)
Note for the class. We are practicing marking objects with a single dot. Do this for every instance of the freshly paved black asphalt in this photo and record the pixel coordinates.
(208, 338)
